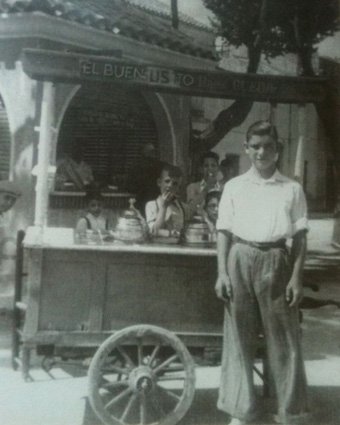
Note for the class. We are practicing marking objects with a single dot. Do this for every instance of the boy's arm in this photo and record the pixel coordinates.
(160, 219)
(155, 216)
(223, 285)
(294, 290)
(81, 226)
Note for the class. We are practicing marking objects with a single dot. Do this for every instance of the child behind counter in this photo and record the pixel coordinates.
(210, 214)
(197, 191)
(94, 219)
(166, 215)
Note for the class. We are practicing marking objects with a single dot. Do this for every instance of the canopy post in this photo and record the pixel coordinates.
(273, 113)
(44, 148)
(300, 151)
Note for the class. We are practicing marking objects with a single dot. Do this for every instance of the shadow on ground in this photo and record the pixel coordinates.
(324, 402)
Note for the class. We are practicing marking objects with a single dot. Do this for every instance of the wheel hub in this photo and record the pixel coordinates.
(141, 380)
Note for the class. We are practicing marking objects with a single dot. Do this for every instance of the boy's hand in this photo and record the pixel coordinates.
(166, 198)
(294, 292)
(223, 288)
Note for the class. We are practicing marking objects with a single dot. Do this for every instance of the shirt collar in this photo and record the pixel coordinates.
(254, 176)
(203, 185)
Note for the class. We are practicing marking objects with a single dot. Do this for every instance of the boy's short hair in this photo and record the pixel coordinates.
(209, 154)
(212, 194)
(230, 160)
(93, 192)
(262, 128)
(93, 196)
(172, 170)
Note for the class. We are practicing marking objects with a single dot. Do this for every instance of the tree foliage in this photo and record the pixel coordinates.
(276, 26)
(271, 28)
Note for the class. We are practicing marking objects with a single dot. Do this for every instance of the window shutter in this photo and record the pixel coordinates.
(5, 143)
(111, 124)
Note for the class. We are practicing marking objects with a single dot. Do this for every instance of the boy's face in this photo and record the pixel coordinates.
(210, 169)
(7, 200)
(263, 153)
(212, 209)
(95, 207)
(168, 183)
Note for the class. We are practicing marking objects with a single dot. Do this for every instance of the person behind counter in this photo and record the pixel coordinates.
(142, 181)
(94, 219)
(73, 170)
(9, 193)
(210, 211)
(197, 191)
(229, 168)
(167, 215)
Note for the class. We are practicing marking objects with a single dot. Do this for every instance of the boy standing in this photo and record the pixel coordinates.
(260, 283)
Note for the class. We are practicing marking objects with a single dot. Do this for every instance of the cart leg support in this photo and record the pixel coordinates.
(26, 357)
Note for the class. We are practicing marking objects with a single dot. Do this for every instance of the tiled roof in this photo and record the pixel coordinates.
(160, 8)
(144, 20)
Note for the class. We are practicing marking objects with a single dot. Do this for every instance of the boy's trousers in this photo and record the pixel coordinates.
(259, 279)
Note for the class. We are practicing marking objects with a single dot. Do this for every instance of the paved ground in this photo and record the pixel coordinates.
(63, 401)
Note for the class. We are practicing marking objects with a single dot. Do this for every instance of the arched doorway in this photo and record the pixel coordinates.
(109, 125)
(5, 143)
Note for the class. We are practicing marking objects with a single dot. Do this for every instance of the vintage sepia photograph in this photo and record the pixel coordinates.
(169, 212)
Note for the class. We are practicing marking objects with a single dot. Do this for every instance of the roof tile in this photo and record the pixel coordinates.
(147, 20)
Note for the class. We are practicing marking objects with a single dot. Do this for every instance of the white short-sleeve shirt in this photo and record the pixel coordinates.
(262, 210)
(175, 215)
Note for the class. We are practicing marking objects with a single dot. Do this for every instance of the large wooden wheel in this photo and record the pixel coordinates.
(141, 375)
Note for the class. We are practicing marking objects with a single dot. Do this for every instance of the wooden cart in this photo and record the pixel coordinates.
(150, 309)
(144, 314)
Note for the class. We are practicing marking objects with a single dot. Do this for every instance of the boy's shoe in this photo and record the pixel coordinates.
(236, 421)
(290, 422)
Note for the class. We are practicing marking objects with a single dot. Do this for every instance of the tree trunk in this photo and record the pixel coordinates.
(305, 56)
(330, 123)
(231, 117)
(238, 111)
(327, 114)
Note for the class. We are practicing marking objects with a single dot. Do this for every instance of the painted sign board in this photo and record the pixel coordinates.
(71, 67)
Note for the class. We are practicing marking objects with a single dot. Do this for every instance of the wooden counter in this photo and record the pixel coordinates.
(78, 294)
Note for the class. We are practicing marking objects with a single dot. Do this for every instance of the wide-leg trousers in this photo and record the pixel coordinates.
(259, 279)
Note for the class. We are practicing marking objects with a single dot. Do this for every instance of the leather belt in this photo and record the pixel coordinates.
(281, 243)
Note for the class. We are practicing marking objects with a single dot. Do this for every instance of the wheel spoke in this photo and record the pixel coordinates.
(142, 409)
(165, 363)
(120, 396)
(173, 369)
(171, 378)
(140, 352)
(116, 369)
(157, 403)
(170, 393)
(128, 407)
(154, 354)
(125, 356)
(112, 385)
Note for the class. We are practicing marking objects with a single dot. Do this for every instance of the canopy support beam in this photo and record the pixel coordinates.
(44, 149)
(299, 167)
